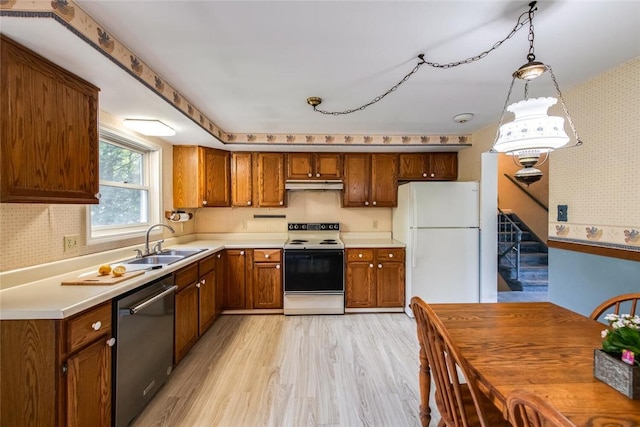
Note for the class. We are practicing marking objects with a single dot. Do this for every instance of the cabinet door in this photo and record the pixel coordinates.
(270, 173)
(384, 180)
(443, 166)
(267, 285)
(187, 170)
(220, 280)
(360, 285)
(235, 279)
(412, 166)
(48, 131)
(328, 166)
(186, 320)
(215, 180)
(299, 166)
(357, 180)
(390, 284)
(241, 179)
(207, 301)
(88, 388)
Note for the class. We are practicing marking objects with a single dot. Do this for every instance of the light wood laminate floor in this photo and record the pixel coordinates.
(351, 370)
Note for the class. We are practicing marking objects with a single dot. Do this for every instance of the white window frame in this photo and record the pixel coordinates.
(152, 176)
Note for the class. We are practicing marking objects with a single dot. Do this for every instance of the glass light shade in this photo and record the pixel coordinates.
(149, 127)
(532, 128)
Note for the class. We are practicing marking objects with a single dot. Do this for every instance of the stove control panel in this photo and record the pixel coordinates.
(323, 226)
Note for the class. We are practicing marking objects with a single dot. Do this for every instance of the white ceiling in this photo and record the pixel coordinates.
(250, 65)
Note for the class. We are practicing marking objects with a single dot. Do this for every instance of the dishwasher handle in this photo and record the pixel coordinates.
(133, 310)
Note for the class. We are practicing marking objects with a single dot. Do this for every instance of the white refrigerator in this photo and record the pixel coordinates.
(439, 224)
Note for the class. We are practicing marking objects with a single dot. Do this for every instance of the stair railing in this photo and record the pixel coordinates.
(509, 239)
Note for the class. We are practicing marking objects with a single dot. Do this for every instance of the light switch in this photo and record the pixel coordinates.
(562, 213)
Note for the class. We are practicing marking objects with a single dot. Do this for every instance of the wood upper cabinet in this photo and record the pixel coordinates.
(48, 131)
(57, 372)
(201, 177)
(428, 166)
(370, 180)
(375, 278)
(241, 179)
(269, 172)
(267, 278)
(311, 166)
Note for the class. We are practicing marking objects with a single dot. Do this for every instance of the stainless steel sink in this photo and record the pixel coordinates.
(156, 259)
(181, 252)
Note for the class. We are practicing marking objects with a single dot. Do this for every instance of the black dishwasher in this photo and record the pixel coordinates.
(143, 358)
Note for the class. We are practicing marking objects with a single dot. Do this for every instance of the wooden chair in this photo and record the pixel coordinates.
(459, 404)
(527, 409)
(617, 303)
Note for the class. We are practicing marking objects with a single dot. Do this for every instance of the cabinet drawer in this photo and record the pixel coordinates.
(390, 254)
(85, 327)
(267, 255)
(359, 255)
(207, 264)
(186, 276)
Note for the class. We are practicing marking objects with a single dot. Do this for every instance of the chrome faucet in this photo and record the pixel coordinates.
(146, 240)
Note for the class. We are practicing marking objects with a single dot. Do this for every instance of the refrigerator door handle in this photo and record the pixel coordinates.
(414, 209)
(414, 232)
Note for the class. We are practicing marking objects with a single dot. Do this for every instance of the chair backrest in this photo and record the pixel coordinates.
(527, 409)
(626, 302)
(444, 359)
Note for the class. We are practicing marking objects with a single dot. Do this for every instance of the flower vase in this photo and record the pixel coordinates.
(617, 374)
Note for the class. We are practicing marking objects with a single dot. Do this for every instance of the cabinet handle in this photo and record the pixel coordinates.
(96, 326)
(432, 175)
(366, 203)
(65, 368)
(111, 342)
(249, 203)
(374, 203)
(370, 265)
(309, 174)
(317, 175)
(241, 252)
(266, 255)
(390, 255)
(278, 266)
(204, 203)
(379, 265)
(424, 174)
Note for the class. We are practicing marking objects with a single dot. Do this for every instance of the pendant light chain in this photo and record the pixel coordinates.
(523, 19)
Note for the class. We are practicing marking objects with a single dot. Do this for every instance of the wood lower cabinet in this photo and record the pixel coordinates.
(314, 166)
(186, 311)
(267, 279)
(370, 180)
(221, 262)
(48, 131)
(428, 166)
(57, 372)
(201, 177)
(235, 279)
(207, 287)
(375, 278)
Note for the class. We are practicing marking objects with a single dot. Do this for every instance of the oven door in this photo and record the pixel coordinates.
(314, 271)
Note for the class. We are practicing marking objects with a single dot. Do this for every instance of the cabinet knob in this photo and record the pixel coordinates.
(198, 285)
(98, 196)
(278, 266)
(204, 203)
(266, 255)
(317, 175)
(281, 203)
(424, 174)
(96, 326)
(359, 255)
(366, 203)
(390, 255)
(203, 281)
(309, 174)
(370, 265)
(379, 265)
(432, 175)
(249, 203)
(219, 256)
(111, 342)
(241, 252)
(374, 203)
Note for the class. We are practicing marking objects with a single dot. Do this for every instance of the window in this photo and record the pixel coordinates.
(129, 183)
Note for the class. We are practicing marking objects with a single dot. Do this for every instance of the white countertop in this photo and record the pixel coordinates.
(43, 296)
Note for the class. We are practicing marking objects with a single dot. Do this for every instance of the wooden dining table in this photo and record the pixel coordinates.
(540, 347)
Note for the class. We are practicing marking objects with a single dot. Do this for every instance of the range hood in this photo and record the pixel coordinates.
(313, 185)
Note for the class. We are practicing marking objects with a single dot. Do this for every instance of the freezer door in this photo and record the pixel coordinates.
(445, 266)
(445, 204)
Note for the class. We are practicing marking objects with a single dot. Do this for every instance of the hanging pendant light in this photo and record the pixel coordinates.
(532, 132)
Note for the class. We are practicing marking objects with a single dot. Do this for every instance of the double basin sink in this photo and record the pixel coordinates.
(165, 257)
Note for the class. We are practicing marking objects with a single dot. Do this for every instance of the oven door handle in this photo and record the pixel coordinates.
(135, 309)
(294, 293)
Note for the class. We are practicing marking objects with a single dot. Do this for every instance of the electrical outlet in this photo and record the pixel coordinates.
(244, 224)
(562, 213)
(71, 242)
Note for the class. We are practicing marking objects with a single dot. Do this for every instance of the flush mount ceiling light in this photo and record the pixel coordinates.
(533, 132)
(149, 127)
(463, 118)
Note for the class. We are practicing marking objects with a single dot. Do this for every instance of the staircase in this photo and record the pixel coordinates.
(532, 275)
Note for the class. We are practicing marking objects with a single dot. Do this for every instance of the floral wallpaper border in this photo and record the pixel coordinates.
(86, 28)
(627, 238)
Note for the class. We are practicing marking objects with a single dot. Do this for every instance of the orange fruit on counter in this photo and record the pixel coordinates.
(104, 270)
(119, 270)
